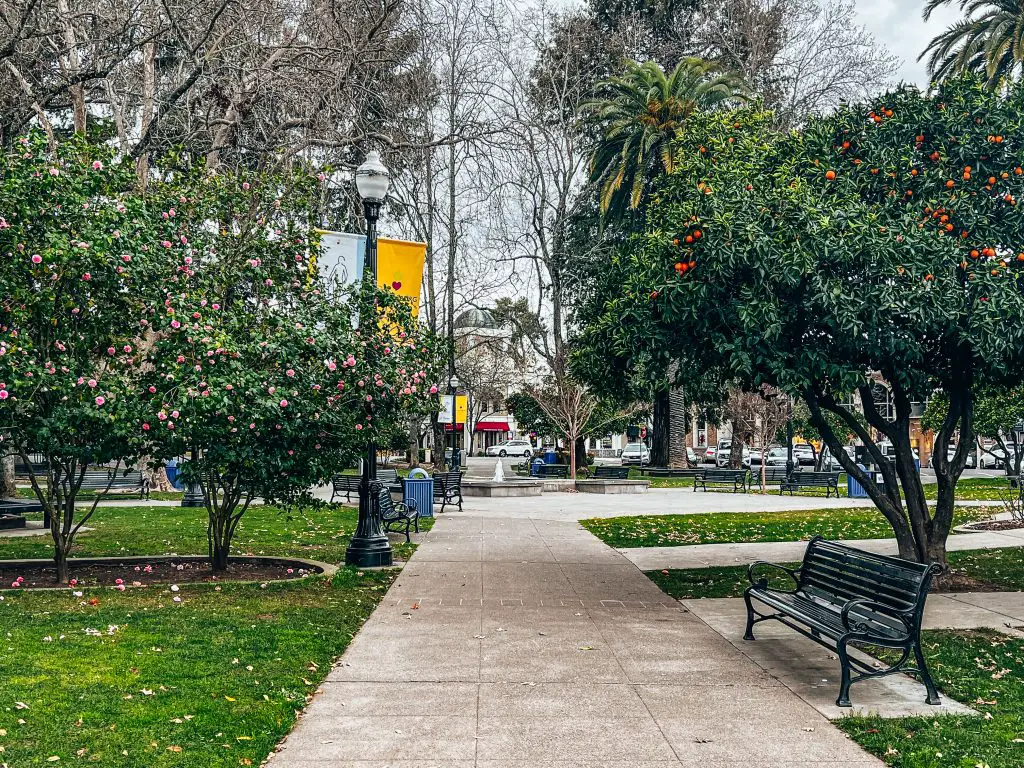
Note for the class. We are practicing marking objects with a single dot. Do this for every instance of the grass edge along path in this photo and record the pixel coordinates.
(981, 668)
(732, 527)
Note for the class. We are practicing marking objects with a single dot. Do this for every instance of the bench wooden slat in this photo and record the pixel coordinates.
(611, 473)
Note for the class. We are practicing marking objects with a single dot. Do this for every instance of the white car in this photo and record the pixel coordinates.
(709, 455)
(724, 454)
(993, 456)
(636, 454)
(512, 448)
(950, 451)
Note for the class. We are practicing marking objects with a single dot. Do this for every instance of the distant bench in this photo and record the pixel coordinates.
(737, 478)
(827, 480)
(545, 471)
(349, 484)
(604, 472)
(673, 472)
(128, 483)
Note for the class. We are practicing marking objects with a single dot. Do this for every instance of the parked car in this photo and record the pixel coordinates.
(993, 456)
(803, 453)
(635, 454)
(512, 448)
(776, 457)
(755, 456)
(830, 463)
(709, 454)
(724, 454)
(691, 456)
(950, 450)
(889, 451)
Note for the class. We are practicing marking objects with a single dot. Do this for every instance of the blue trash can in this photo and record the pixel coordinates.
(172, 475)
(418, 492)
(854, 489)
(550, 457)
(533, 466)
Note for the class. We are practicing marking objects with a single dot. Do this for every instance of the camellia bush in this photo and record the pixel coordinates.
(267, 386)
(79, 262)
(884, 240)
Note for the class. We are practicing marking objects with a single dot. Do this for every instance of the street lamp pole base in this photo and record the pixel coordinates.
(193, 496)
(369, 552)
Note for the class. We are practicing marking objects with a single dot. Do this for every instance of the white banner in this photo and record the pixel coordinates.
(447, 413)
(341, 257)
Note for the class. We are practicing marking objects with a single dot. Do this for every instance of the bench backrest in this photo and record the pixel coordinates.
(101, 478)
(723, 474)
(811, 475)
(387, 504)
(675, 471)
(837, 573)
(345, 481)
(450, 479)
(387, 475)
(618, 473)
(552, 470)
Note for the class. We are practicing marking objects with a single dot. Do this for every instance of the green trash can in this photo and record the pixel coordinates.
(418, 492)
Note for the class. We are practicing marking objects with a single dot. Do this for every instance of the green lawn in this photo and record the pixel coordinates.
(983, 669)
(1002, 568)
(28, 493)
(974, 489)
(141, 681)
(319, 533)
(730, 527)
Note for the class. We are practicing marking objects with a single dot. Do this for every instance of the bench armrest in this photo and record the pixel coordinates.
(853, 625)
(763, 582)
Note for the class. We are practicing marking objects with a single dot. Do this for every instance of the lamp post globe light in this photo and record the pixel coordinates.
(369, 547)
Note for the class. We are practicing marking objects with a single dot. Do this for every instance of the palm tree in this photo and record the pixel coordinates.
(640, 113)
(988, 40)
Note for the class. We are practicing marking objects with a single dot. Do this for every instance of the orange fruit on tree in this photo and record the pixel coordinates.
(950, 184)
(830, 175)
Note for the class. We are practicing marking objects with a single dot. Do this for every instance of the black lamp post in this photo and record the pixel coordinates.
(790, 466)
(369, 547)
(193, 496)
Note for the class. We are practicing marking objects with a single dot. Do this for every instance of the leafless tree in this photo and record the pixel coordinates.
(759, 415)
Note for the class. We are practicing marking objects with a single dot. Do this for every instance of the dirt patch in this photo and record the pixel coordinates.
(994, 525)
(141, 573)
(955, 580)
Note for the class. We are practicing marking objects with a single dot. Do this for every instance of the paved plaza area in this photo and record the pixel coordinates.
(516, 639)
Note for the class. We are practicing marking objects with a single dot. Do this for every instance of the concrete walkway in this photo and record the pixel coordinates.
(514, 642)
(743, 553)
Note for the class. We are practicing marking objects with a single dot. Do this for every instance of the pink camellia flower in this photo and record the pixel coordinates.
(175, 324)
(284, 403)
(245, 185)
(87, 277)
(127, 347)
(289, 373)
(171, 212)
(4, 394)
(119, 587)
(92, 383)
(73, 582)
(252, 426)
(170, 425)
(216, 306)
(97, 165)
(111, 351)
(228, 387)
(359, 426)
(180, 359)
(152, 389)
(362, 383)
(126, 257)
(145, 427)
(433, 389)
(166, 243)
(119, 581)
(272, 390)
(174, 414)
(188, 259)
(332, 366)
(54, 172)
(100, 400)
(36, 258)
(369, 398)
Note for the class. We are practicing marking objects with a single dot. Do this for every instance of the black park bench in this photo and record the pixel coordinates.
(394, 515)
(610, 473)
(827, 480)
(773, 476)
(552, 470)
(347, 484)
(737, 478)
(448, 488)
(842, 596)
(126, 483)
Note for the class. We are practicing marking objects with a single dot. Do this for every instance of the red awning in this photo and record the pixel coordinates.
(492, 426)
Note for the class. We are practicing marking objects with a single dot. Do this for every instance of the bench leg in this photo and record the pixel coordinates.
(844, 686)
(332, 497)
(748, 634)
(926, 677)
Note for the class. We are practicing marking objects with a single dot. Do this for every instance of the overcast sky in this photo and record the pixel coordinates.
(898, 24)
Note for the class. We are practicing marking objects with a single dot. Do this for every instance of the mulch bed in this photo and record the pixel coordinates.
(995, 525)
(957, 581)
(140, 574)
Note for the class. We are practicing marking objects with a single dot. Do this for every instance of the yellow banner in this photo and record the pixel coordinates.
(461, 408)
(400, 268)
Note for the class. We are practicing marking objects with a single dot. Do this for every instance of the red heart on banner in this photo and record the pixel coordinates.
(396, 284)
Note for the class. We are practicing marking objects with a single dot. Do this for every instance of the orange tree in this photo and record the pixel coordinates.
(883, 240)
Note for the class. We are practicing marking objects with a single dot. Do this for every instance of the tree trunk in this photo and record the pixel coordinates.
(414, 443)
(60, 559)
(437, 443)
(581, 452)
(8, 487)
(678, 426)
(660, 429)
(736, 449)
(572, 458)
